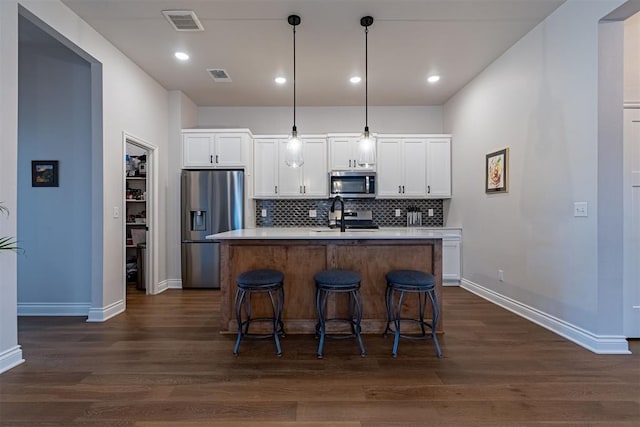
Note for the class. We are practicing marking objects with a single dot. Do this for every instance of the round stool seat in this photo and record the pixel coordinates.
(262, 277)
(411, 279)
(337, 278)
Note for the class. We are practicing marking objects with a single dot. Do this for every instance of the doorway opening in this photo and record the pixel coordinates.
(139, 216)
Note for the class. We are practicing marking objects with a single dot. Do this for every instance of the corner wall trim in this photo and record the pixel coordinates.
(10, 358)
(53, 309)
(599, 344)
(100, 314)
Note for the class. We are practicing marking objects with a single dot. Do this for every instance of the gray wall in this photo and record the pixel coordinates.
(540, 99)
(278, 120)
(54, 123)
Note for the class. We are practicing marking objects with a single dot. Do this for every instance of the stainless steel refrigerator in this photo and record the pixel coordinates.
(212, 202)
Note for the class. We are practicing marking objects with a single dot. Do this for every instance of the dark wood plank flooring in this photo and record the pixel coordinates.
(163, 363)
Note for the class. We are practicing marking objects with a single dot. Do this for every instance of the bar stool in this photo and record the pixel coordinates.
(259, 281)
(334, 282)
(417, 282)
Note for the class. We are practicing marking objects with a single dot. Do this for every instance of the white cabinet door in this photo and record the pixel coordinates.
(341, 150)
(229, 150)
(343, 154)
(289, 179)
(389, 158)
(265, 172)
(197, 150)
(314, 171)
(214, 149)
(439, 167)
(451, 260)
(414, 157)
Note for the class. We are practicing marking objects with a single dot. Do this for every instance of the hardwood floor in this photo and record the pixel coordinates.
(163, 363)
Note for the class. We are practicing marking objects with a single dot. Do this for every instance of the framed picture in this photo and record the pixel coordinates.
(44, 173)
(497, 172)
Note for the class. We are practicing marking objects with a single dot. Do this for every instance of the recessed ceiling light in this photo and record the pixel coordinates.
(280, 80)
(355, 79)
(433, 79)
(181, 56)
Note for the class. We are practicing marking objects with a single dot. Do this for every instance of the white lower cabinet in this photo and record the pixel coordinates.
(451, 258)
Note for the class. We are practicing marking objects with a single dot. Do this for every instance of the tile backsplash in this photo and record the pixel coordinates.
(295, 213)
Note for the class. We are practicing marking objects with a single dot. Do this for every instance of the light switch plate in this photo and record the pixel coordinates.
(263, 213)
(398, 212)
(580, 209)
(430, 212)
(116, 212)
(313, 213)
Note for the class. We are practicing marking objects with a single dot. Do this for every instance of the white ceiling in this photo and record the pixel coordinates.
(252, 41)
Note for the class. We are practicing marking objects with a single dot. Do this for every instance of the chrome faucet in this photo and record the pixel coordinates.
(333, 209)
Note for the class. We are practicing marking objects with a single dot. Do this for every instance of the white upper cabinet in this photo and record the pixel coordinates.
(315, 176)
(265, 167)
(274, 179)
(214, 149)
(401, 168)
(439, 167)
(343, 153)
(414, 166)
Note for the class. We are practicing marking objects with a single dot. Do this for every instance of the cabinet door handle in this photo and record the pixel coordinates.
(399, 189)
(211, 158)
(276, 189)
(349, 162)
(301, 189)
(428, 189)
(403, 189)
(304, 189)
(216, 158)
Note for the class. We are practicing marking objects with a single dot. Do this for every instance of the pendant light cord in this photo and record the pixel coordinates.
(294, 79)
(366, 79)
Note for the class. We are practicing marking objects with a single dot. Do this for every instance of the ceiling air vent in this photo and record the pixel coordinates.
(183, 20)
(219, 75)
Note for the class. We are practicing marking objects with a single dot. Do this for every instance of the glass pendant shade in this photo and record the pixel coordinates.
(366, 150)
(293, 155)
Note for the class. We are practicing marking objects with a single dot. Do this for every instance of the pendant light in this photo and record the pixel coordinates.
(293, 155)
(367, 143)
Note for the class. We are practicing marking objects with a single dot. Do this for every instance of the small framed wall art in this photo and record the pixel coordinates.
(497, 172)
(44, 173)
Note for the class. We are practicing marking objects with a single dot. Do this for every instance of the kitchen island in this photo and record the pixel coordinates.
(301, 252)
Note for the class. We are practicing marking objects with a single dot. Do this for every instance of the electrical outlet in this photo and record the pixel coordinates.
(398, 212)
(430, 212)
(313, 213)
(116, 212)
(501, 275)
(263, 213)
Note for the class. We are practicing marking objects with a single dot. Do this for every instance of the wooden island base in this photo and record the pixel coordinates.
(299, 260)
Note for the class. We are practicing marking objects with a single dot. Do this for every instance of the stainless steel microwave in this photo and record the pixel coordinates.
(352, 185)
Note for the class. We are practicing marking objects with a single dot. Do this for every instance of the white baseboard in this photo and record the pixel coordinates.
(599, 344)
(53, 309)
(450, 283)
(175, 283)
(10, 358)
(162, 286)
(100, 314)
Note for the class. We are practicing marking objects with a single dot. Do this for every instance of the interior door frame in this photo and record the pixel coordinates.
(631, 286)
(151, 259)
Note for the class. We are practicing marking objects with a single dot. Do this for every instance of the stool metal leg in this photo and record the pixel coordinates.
(275, 305)
(397, 313)
(389, 307)
(322, 306)
(434, 321)
(357, 319)
(240, 294)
